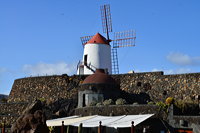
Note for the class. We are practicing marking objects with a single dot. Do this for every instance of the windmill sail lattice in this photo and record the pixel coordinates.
(124, 39)
(106, 18)
(121, 39)
(115, 66)
(85, 39)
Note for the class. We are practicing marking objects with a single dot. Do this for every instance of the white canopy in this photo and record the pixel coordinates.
(93, 121)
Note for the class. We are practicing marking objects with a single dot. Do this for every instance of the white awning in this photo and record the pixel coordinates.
(93, 121)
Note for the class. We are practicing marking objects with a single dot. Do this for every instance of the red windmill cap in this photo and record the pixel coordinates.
(98, 38)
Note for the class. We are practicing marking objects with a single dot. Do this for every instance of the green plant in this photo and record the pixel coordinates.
(80, 127)
(93, 103)
(135, 103)
(108, 102)
(51, 129)
(41, 99)
(68, 129)
(187, 107)
(162, 106)
(99, 104)
(120, 101)
(151, 103)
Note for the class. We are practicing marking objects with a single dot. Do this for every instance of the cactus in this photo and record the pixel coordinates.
(80, 128)
(108, 102)
(120, 101)
(67, 129)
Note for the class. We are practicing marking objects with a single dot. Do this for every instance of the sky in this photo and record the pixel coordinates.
(42, 37)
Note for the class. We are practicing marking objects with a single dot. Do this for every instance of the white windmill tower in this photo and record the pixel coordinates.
(98, 51)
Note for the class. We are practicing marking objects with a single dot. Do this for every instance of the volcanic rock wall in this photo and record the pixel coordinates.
(159, 87)
(48, 88)
(9, 112)
(155, 84)
(51, 88)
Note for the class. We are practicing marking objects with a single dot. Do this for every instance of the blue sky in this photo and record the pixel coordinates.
(39, 37)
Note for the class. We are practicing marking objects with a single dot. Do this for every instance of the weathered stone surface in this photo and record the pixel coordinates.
(9, 112)
(48, 88)
(32, 120)
(153, 84)
(181, 86)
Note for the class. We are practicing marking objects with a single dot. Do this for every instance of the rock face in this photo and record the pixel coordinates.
(32, 120)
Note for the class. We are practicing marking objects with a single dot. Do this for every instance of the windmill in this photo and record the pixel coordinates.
(121, 39)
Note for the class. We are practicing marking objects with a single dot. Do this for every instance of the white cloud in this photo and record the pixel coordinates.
(2, 70)
(183, 59)
(178, 71)
(169, 71)
(155, 70)
(174, 71)
(49, 69)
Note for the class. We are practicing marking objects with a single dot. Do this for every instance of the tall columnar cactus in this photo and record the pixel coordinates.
(67, 129)
(80, 128)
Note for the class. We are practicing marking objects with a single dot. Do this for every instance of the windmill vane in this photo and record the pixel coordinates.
(124, 39)
(106, 18)
(121, 39)
(85, 39)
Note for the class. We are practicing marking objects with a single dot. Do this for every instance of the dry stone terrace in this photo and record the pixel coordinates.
(159, 87)
(155, 84)
(50, 88)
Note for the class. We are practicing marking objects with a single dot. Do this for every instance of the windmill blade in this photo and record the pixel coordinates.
(124, 39)
(85, 39)
(115, 66)
(106, 18)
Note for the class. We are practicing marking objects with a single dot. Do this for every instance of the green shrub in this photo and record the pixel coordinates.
(93, 103)
(187, 107)
(108, 102)
(99, 104)
(42, 99)
(162, 106)
(151, 103)
(135, 103)
(120, 101)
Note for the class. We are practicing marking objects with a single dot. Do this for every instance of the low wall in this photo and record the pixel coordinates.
(187, 121)
(116, 110)
(155, 84)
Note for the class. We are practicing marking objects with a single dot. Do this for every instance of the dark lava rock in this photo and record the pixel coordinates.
(32, 120)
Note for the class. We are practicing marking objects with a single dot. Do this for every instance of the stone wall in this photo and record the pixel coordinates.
(9, 112)
(116, 110)
(185, 121)
(48, 88)
(155, 84)
(159, 86)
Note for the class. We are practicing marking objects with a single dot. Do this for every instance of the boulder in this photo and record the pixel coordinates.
(32, 120)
